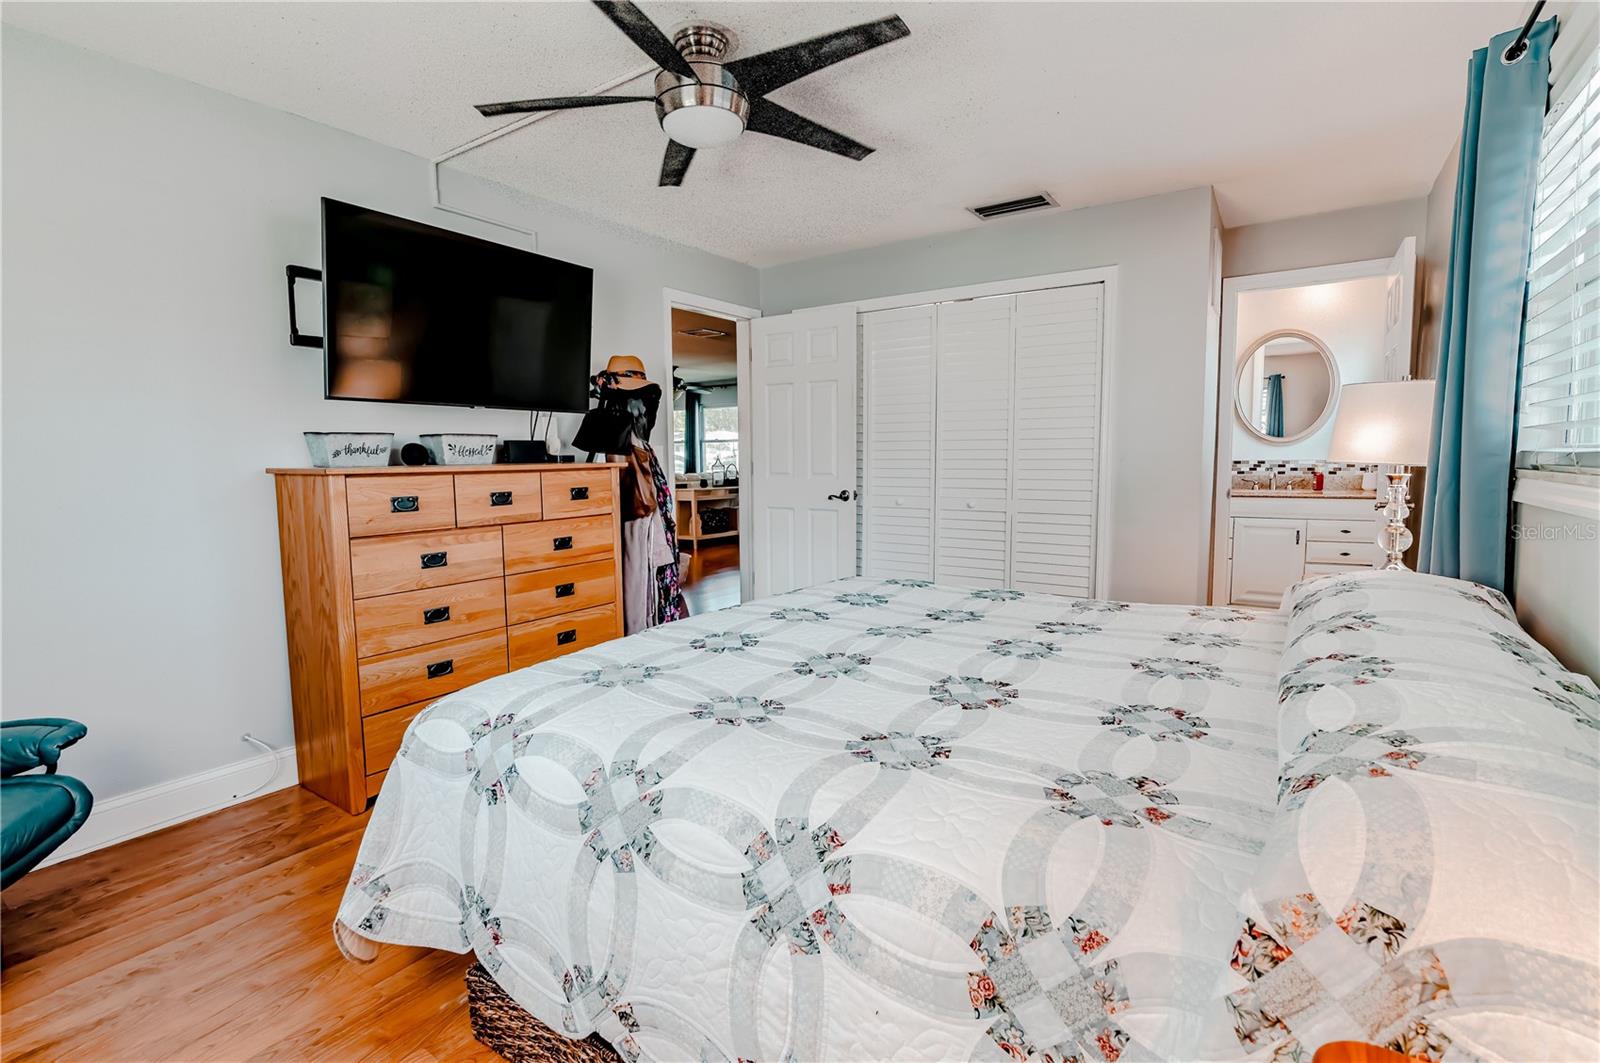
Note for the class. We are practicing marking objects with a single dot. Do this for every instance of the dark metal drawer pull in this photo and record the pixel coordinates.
(436, 616)
(403, 504)
(438, 559)
(1344, 531)
(565, 590)
(579, 493)
(440, 668)
(567, 637)
(499, 498)
(1344, 553)
(562, 542)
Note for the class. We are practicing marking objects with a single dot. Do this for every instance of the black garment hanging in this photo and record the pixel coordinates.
(622, 414)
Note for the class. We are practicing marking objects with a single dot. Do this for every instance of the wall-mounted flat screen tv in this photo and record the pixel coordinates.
(414, 313)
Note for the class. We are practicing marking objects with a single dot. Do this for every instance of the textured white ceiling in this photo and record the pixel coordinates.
(1285, 108)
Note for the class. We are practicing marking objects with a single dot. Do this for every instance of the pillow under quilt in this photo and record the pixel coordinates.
(1432, 878)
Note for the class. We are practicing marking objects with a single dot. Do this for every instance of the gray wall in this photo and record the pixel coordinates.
(1161, 447)
(1352, 235)
(148, 383)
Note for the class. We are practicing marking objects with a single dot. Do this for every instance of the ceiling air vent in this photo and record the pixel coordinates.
(1014, 206)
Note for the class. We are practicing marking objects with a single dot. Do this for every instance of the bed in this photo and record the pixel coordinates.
(892, 820)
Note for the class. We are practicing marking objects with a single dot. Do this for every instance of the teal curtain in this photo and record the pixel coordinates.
(1466, 503)
(1275, 405)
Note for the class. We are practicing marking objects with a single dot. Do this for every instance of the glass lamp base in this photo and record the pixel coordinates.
(1394, 537)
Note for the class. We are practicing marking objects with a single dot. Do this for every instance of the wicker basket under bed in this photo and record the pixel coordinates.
(502, 1024)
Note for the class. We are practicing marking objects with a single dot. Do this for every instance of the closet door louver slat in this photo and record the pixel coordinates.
(974, 418)
(1056, 440)
(897, 485)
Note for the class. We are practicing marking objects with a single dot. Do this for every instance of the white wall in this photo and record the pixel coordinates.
(148, 382)
(1162, 447)
(1556, 581)
(1347, 316)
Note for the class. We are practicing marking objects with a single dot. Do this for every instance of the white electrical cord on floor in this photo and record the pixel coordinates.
(248, 737)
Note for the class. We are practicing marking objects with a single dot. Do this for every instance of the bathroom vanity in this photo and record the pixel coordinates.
(1278, 537)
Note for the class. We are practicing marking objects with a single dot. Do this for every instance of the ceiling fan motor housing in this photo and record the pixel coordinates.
(709, 111)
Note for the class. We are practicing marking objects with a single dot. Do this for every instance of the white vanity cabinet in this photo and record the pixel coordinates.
(1269, 556)
(1277, 539)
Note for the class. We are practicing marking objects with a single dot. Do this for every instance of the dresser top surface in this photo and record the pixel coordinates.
(414, 470)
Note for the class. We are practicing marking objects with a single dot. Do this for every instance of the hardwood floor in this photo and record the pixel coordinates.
(711, 579)
(212, 940)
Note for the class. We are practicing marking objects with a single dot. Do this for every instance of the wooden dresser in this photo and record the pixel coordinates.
(401, 585)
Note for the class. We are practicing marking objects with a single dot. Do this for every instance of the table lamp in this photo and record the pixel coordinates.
(1388, 423)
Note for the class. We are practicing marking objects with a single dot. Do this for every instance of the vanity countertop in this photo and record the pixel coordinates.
(1291, 492)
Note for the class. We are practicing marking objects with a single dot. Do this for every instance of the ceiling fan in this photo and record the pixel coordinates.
(703, 101)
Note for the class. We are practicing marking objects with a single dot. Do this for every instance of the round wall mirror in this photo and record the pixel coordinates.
(1287, 386)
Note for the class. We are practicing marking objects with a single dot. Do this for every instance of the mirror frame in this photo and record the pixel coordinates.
(1327, 407)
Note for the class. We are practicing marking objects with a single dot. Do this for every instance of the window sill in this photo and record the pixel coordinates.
(1574, 493)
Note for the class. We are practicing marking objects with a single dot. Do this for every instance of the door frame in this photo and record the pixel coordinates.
(1227, 375)
(741, 316)
(1102, 275)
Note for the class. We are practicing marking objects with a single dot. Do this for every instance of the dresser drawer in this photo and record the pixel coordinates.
(576, 493)
(382, 734)
(431, 671)
(550, 543)
(433, 559)
(382, 505)
(1353, 553)
(415, 618)
(1341, 531)
(553, 591)
(560, 635)
(1326, 570)
(497, 498)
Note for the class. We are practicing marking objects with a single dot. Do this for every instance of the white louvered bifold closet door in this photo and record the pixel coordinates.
(981, 439)
(1055, 440)
(973, 443)
(897, 482)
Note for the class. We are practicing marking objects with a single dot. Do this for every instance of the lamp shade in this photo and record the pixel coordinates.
(1388, 423)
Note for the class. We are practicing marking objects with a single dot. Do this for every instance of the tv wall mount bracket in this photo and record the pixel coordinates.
(296, 337)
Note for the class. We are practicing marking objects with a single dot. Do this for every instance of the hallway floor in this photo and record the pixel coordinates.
(711, 579)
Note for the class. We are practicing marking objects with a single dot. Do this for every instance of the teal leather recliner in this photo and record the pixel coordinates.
(40, 811)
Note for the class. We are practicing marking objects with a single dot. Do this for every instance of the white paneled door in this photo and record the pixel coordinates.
(802, 413)
(1398, 301)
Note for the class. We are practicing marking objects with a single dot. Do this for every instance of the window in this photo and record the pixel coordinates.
(1559, 408)
(719, 437)
(680, 421)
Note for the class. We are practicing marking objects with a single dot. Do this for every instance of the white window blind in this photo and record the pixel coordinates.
(1559, 418)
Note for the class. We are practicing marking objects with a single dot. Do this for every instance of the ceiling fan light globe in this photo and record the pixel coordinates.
(702, 126)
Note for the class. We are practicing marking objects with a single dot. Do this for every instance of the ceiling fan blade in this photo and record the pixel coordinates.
(775, 121)
(651, 41)
(675, 164)
(760, 74)
(555, 103)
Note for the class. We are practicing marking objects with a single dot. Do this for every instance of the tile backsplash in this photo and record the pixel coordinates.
(1302, 475)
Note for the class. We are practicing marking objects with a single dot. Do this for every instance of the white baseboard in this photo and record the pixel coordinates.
(142, 811)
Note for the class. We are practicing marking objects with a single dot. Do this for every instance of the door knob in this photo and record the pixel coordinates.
(842, 496)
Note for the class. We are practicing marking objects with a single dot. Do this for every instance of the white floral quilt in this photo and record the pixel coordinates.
(1432, 880)
(870, 820)
(889, 820)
